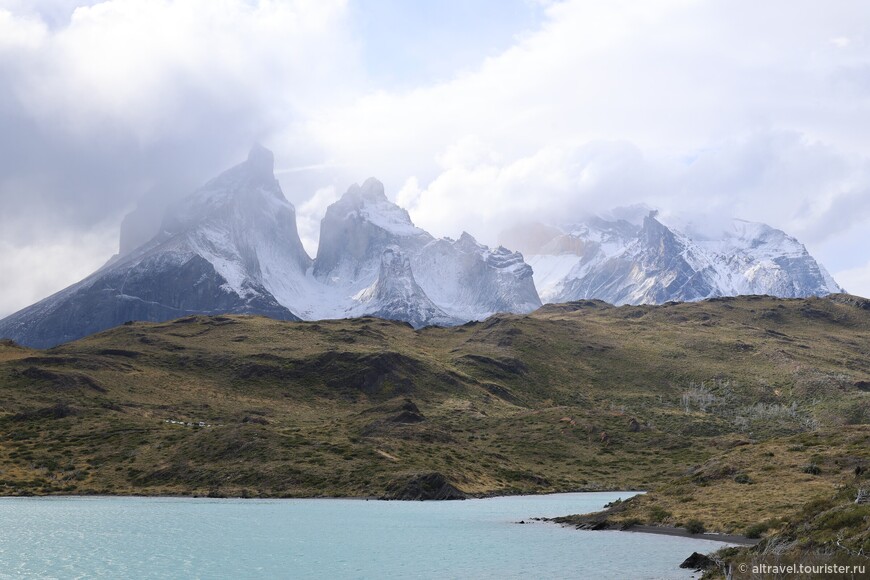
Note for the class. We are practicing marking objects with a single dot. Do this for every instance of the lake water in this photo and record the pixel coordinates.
(325, 538)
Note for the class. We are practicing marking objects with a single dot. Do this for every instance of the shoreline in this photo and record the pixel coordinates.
(735, 539)
(350, 497)
(641, 529)
(684, 533)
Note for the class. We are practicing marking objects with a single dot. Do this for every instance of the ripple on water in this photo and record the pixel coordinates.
(175, 537)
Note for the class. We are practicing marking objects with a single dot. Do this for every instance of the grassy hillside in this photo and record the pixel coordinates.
(575, 396)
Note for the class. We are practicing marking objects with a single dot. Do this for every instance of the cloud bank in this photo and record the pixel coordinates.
(713, 108)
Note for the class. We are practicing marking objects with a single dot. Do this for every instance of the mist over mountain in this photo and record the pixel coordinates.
(633, 256)
(232, 246)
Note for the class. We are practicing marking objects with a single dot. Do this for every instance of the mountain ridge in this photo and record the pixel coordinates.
(651, 261)
(232, 247)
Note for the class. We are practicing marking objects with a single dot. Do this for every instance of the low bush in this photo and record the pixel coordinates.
(755, 530)
(658, 514)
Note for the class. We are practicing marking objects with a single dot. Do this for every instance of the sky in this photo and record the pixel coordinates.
(476, 115)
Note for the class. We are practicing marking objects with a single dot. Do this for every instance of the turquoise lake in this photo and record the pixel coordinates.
(87, 537)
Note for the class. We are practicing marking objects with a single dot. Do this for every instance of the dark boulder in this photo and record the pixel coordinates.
(698, 562)
(408, 413)
(420, 486)
(58, 411)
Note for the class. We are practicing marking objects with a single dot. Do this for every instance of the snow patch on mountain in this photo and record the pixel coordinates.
(232, 246)
(472, 281)
(616, 260)
(395, 295)
(465, 279)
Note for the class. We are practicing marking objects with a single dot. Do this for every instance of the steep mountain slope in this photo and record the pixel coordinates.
(465, 279)
(471, 281)
(395, 295)
(232, 247)
(224, 249)
(624, 261)
(357, 229)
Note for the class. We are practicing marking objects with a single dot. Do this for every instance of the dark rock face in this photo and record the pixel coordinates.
(422, 486)
(397, 296)
(350, 240)
(650, 262)
(408, 414)
(205, 261)
(659, 257)
(143, 291)
(698, 562)
(369, 243)
(856, 301)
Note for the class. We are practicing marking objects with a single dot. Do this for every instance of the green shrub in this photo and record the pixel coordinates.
(658, 514)
(847, 518)
(742, 478)
(817, 506)
(695, 526)
(755, 530)
(812, 469)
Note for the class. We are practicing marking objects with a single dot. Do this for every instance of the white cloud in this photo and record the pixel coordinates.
(35, 270)
(752, 109)
(809, 190)
(20, 33)
(145, 63)
(102, 101)
(309, 214)
(855, 280)
(726, 107)
(668, 76)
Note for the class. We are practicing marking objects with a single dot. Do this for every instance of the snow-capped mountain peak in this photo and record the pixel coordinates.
(232, 246)
(465, 279)
(395, 294)
(249, 188)
(355, 231)
(368, 203)
(370, 190)
(674, 259)
(261, 163)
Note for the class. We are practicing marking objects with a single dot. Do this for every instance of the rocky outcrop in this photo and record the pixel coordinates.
(218, 252)
(472, 281)
(366, 241)
(648, 261)
(395, 295)
(423, 486)
(698, 562)
(355, 232)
